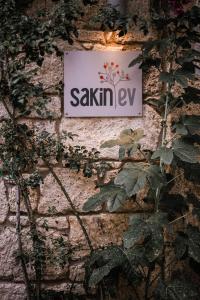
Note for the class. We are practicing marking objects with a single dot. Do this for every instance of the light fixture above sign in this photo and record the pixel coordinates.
(100, 84)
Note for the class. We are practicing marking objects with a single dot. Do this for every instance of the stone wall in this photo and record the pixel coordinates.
(48, 202)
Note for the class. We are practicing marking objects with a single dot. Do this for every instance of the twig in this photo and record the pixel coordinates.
(147, 283)
(182, 217)
(20, 247)
(76, 213)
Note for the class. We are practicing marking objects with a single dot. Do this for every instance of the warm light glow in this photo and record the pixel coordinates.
(121, 5)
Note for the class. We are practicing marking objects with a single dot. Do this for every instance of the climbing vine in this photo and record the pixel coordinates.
(158, 244)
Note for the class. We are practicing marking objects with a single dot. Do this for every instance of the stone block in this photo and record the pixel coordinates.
(76, 289)
(8, 249)
(131, 37)
(44, 125)
(57, 254)
(58, 223)
(23, 221)
(3, 202)
(51, 72)
(103, 229)
(52, 107)
(92, 132)
(78, 187)
(10, 291)
(77, 272)
(12, 194)
(91, 36)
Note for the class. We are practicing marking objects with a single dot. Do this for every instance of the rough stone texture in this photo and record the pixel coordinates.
(12, 291)
(77, 272)
(131, 37)
(8, 247)
(65, 287)
(92, 132)
(103, 229)
(57, 254)
(91, 36)
(3, 203)
(23, 221)
(52, 107)
(189, 109)
(44, 125)
(151, 83)
(58, 223)
(51, 72)
(3, 112)
(12, 192)
(52, 196)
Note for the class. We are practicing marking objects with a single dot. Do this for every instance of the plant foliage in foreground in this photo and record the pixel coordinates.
(159, 244)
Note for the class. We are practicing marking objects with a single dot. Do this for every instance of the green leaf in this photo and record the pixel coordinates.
(99, 273)
(165, 154)
(180, 129)
(134, 177)
(136, 231)
(188, 124)
(102, 262)
(180, 245)
(167, 77)
(193, 242)
(113, 195)
(122, 152)
(126, 137)
(186, 151)
(150, 229)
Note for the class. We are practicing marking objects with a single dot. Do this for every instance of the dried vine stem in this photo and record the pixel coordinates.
(20, 246)
(74, 210)
(34, 234)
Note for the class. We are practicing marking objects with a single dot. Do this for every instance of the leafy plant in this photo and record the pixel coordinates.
(167, 237)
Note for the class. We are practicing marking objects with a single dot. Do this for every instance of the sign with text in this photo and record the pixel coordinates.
(100, 84)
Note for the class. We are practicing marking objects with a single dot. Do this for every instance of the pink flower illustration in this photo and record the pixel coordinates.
(113, 75)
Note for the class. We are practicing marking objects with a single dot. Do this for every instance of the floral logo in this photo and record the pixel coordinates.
(113, 75)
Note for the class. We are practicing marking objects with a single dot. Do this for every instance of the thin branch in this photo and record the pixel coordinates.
(147, 283)
(76, 213)
(20, 247)
(182, 217)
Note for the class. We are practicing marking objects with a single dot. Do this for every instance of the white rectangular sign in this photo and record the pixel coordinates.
(100, 84)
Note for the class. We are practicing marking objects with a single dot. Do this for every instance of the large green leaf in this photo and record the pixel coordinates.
(185, 151)
(180, 245)
(193, 243)
(148, 233)
(167, 77)
(165, 154)
(114, 196)
(102, 262)
(188, 125)
(126, 137)
(189, 240)
(136, 231)
(134, 177)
